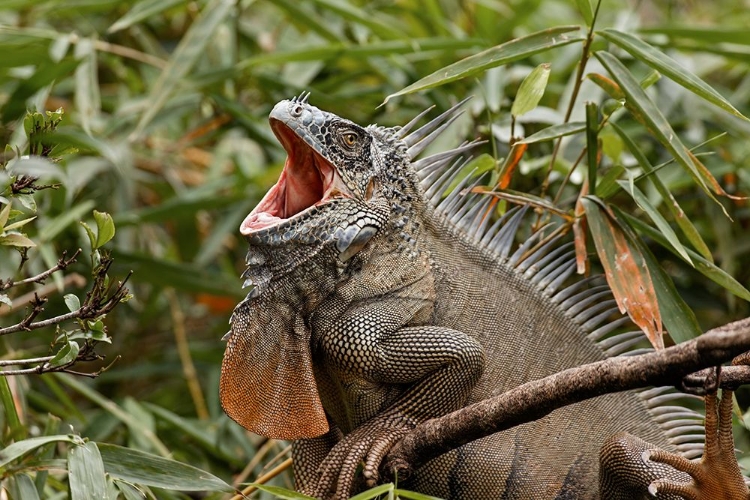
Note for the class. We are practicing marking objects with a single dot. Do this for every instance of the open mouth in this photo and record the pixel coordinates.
(307, 180)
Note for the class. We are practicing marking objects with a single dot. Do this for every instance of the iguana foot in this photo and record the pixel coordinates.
(717, 476)
(368, 444)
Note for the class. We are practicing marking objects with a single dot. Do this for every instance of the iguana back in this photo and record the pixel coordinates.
(383, 296)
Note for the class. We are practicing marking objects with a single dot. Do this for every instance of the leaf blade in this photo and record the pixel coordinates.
(508, 52)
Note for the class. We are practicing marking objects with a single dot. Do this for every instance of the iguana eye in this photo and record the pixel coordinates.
(349, 138)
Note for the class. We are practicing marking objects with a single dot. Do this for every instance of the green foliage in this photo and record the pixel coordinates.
(164, 127)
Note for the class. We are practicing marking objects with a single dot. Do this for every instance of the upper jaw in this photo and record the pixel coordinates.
(308, 179)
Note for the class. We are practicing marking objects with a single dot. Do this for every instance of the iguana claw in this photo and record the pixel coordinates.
(717, 476)
(367, 444)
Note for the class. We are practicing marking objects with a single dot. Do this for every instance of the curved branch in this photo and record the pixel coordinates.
(538, 398)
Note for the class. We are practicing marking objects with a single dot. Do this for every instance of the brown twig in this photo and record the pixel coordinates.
(538, 398)
(62, 263)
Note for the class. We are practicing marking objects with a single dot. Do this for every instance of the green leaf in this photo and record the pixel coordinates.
(531, 90)
(645, 111)
(678, 318)
(10, 413)
(27, 201)
(554, 132)
(586, 10)
(189, 50)
(144, 9)
(666, 230)
(706, 267)
(66, 354)
(105, 228)
(72, 302)
(592, 143)
(607, 185)
(413, 495)
(4, 214)
(139, 467)
(20, 486)
(508, 52)
(20, 448)
(90, 233)
(669, 67)
(686, 226)
(283, 493)
(375, 492)
(130, 492)
(17, 224)
(86, 475)
(16, 240)
(712, 35)
(87, 97)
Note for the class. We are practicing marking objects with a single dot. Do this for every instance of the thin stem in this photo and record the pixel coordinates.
(585, 55)
(10, 362)
(39, 278)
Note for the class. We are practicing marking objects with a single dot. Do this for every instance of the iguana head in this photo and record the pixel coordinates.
(342, 184)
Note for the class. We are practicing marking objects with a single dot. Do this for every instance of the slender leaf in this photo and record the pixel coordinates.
(666, 230)
(687, 227)
(626, 270)
(531, 90)
(86, 473)
(592, 143)
(514, 50)
(21, 487)
(669, 67)
(282, 493)
(678, 318)
(190, 48)
(375, 492)
(554, 132)
(87, 97)
(20, 448)
(52, 228)
(706, 267)
(645, 111)
(142, 10)
(10, 412)
(413, 495)
(139, 467)
(711, 35)
(586, 10)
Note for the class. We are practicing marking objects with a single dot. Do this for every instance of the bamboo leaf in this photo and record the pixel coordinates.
(626, 270)
(669, 67)
(190, 48)
(86, 475)
(592, 143)
(704, 266)
(20, 448)
(666, 230)
(644, 110)
(678, 318)
(21, 486)
(531, 90)
(554, 132)
(139, 467)
(586, 10)
(508, 52)
(686, 226)
(142, 10)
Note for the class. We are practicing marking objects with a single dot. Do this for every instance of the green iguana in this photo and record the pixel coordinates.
(382, 297)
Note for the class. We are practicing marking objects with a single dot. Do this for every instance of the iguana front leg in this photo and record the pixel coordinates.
(308, 454)
(436, 366)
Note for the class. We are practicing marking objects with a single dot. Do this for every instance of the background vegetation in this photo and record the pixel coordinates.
(164, 127)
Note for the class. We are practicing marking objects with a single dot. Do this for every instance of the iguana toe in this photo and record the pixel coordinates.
(366, 445)
(717, 476)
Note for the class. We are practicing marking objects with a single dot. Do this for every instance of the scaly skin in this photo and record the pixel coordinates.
(374, 310)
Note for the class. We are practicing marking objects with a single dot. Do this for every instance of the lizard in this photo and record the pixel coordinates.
(381, 296)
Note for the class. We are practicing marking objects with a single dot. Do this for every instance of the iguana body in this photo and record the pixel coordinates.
(380, 301)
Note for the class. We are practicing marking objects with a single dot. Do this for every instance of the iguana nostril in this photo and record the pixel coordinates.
(297, 111)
